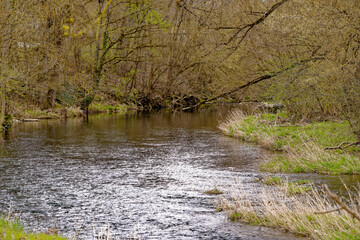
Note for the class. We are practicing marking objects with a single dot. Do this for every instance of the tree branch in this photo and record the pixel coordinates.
(347, 144)
(330, 211)
(337, 199)
(256, 80)
(252, 25)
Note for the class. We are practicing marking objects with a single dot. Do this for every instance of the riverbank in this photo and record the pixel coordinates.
(297, 148)
(61, 112)
(297, 207)
(69, 112)
(312, 213)
(12, 229)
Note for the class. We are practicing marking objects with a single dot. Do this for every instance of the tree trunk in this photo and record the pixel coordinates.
(3, 105)
(5, 46)
(98, 46)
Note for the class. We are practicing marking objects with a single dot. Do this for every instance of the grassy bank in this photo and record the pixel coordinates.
(299, 148)
(307, 214)
(68, 112)
(11, 229)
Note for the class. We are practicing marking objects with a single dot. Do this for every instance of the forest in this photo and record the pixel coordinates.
(69, 58)
(154, 53)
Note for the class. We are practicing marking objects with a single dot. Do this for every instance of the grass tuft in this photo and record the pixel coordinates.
(214, 191)
(273, 181)
(289, 187)
(12, 229)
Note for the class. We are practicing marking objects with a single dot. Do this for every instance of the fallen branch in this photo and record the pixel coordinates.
(259, 79)
(342, 147)
(330, 211)
(337, 199)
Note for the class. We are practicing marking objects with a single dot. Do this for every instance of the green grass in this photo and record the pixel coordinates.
(98, 107)
(249, 217)
(13, 230)
(37, 113)
(273, 181)
(269, 131)
(71, 112)
(298, 148)
(290, 187)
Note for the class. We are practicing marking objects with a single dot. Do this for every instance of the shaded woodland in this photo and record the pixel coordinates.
(157, 53)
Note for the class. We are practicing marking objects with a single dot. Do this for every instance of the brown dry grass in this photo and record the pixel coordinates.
(300, 214)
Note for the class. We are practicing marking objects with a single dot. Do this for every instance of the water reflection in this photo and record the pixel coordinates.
(147, 171)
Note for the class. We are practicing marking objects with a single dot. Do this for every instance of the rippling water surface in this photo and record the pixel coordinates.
(141, 174)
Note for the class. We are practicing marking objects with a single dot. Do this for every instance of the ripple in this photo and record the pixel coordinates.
(144, 175)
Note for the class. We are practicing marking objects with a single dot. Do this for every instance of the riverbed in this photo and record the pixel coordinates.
(139, 175)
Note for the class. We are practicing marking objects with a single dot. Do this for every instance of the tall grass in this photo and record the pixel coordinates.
(300, 148)
(304, 214)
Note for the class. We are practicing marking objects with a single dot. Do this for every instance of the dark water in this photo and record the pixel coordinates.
(140, 175)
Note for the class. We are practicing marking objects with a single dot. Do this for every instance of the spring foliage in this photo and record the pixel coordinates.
(57, 53)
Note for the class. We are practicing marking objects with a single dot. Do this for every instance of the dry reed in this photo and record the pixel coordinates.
(306, 214)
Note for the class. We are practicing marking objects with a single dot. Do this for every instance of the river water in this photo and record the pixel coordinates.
(138, 175)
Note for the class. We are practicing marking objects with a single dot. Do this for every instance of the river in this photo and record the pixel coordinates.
(136, 175)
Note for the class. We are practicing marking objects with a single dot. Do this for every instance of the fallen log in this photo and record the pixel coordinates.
(30, 120)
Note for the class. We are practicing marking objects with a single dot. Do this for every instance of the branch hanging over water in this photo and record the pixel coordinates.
(255, 81)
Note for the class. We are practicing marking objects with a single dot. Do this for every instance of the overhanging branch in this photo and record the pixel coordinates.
(255, 81)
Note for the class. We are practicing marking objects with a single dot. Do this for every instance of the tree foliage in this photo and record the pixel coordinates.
(63, 53)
